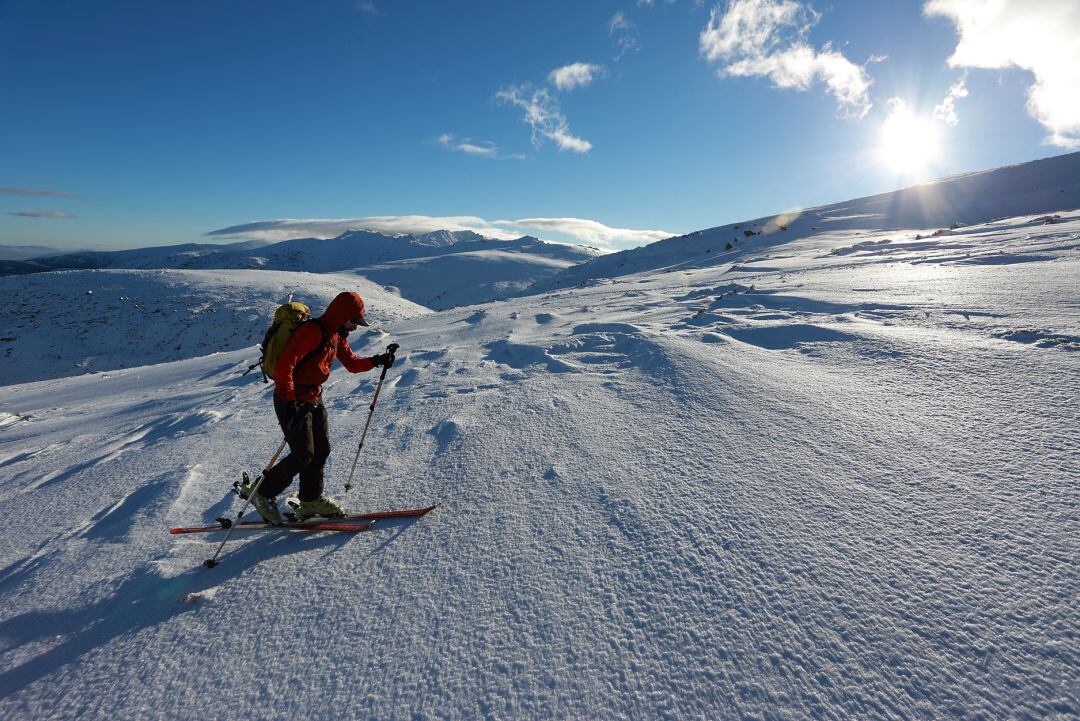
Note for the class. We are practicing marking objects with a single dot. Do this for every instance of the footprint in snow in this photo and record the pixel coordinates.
(445, 432)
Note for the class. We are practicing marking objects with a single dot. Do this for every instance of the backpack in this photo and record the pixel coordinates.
(287, 318)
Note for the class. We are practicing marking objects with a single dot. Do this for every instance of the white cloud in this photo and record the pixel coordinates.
(579, 230)
(543, 114)
(752, 27)
(485, 149)
(624, 32)
(946, 112)
(591, 232)
(766, 38)
(480, 148)
(574, 75)
(41, 214)
(1041, 36)
(26, 192)
(367, 7)
(618, 23)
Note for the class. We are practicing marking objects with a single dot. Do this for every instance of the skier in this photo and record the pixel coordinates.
(301, 370)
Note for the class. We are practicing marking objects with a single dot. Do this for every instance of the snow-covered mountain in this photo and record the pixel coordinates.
(455, 279)
(444, 267)
(26, 252)
(1039, 187)
(19, 267)
(831, 477)
(68, 323)
(163, 256)
(19, 259)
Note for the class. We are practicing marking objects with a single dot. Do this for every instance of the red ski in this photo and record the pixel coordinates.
(341, 524)
(260, 526)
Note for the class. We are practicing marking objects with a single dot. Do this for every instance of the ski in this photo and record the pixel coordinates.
(410, 513)
(337, 524)
(263, 526)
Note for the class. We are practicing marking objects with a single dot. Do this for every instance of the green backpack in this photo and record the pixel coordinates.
(287, 318)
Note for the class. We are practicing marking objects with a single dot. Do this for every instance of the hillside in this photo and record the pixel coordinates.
(457, 279)
(25, 252)
(68, 323)
(445, 268)
(1040, 187)
(832, 478)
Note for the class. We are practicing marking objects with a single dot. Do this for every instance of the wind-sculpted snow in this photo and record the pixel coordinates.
(68, 323)
(465, 278)
(807, 484)
(937, 208)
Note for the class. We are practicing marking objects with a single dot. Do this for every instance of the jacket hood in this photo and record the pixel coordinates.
(342, 309)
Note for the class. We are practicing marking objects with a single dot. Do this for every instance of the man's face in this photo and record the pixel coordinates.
(355, 323)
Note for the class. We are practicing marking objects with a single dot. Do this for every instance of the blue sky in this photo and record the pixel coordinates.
(128, 124)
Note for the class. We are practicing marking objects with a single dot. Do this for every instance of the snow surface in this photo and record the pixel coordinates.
(1038, 187)
(833, 478)
(466, 278)
(445, 267)
(71, 322)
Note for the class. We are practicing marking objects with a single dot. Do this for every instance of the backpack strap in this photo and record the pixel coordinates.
(319, 348)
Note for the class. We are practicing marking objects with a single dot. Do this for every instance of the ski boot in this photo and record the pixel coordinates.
(267, 508)
(325, 507)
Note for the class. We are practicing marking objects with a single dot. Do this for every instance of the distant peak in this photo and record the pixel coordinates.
(448, 237)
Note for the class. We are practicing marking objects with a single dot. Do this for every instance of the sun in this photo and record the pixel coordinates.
(910, 145)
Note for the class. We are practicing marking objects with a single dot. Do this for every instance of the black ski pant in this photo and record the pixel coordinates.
(309, 447)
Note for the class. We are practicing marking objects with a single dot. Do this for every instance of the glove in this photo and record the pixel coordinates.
(383, 360)
(302, 408)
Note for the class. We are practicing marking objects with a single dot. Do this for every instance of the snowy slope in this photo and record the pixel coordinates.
(836, 480)
(1040, 187)
(19, 267)
(25, 252)
(186, 255)
(456, 279)
(353, 249)
(66, 323)
(431, 261)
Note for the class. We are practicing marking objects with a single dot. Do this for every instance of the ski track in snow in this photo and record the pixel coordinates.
(835, 479)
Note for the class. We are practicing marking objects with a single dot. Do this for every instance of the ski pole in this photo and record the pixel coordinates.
(391, 349)
(211, 562)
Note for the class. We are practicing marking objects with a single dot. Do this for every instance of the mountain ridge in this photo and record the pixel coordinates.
(1040, 186)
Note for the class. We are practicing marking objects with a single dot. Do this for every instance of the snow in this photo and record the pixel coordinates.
(1038, 187)
(832, 476)
(71, 322)
(465, 278)
(444, 267)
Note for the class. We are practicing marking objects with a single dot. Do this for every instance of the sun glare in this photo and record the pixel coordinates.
(909, 144)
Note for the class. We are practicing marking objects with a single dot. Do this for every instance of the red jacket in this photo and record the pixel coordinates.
(296, 381)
